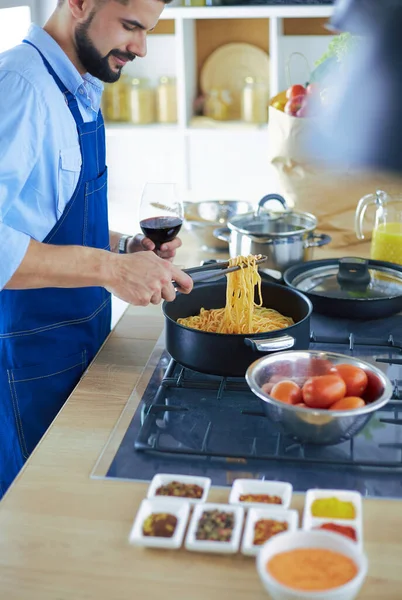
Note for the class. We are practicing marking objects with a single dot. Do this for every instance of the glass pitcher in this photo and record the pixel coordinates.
(386, 241)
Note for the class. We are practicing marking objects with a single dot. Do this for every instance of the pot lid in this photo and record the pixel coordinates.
(264, 223)
(349, 278)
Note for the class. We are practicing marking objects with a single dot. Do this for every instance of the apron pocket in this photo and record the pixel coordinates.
(39, 392)
(69, 173)
(96, 229)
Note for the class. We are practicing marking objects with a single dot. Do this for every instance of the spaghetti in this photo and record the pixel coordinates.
(241, 313)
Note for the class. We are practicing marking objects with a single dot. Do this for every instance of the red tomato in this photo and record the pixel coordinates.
(295, 90)
(293, 105)
(324, 390)
(355, 379)
(301, 404)
(287, 391)
(374, 387)
(348, 403)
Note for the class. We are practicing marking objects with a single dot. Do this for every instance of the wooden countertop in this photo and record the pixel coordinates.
(64, 535)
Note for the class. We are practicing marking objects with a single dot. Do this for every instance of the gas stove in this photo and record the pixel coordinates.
(181, 421)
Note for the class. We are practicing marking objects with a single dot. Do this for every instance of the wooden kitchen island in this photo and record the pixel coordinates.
(64, 535)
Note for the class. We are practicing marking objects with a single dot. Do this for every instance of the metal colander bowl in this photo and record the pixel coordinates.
(308, 425)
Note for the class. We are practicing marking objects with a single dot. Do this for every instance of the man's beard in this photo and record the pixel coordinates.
(92, 60)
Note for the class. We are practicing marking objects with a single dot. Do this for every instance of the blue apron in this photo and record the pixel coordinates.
(49, 336)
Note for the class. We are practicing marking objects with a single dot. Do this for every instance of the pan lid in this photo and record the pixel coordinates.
(350, 278)
(267, 224)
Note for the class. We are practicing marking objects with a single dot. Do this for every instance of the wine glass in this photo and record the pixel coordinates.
(161, 212)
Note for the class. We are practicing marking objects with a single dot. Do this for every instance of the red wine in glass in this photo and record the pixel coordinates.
(161, 212)
(161, 229)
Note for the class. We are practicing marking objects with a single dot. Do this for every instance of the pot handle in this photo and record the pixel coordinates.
(283, 342)
(269, 197)
(222, 233)
(318, 239)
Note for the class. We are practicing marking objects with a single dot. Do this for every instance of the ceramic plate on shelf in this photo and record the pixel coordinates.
(228, 66)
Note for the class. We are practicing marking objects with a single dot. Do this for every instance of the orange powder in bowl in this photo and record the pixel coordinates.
(312, 569)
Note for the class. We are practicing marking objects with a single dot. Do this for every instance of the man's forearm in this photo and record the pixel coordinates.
(45, 265)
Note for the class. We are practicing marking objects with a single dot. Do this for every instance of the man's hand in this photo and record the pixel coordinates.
(140, 243)
(143, 278)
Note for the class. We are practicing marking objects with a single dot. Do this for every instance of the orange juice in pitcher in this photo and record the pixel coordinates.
(386, 241)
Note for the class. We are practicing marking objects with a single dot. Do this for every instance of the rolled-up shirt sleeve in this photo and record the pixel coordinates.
(21, 136)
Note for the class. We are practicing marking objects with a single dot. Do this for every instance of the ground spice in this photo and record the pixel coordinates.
(183, 490)
(216, 526)
(266, 528)
(265, 498)
(345, 530)
(312, 569)
(333, 508)
(159, 525)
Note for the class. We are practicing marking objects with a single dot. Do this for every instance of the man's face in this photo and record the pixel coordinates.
(114, 34)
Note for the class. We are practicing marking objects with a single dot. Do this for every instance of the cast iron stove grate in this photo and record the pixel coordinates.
(216, 418)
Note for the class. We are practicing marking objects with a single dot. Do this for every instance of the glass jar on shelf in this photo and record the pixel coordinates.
(217, 105)
(166, 100)
(141, 102)
(254, 101)
(115, 100)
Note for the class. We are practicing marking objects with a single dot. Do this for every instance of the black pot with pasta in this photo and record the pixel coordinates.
(230, 354)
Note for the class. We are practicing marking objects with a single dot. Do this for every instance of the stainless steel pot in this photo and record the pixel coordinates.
(309, 425)
(286, 238)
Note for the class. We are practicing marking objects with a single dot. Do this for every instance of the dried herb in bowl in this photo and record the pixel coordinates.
(266, 528)
(159, 525)
(180, 490)
(215, 526)
(261, 498)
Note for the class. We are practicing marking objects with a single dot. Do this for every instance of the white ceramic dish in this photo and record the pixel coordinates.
(309, 521)
(256, 486)
(231, 547)
(313, 523)
(311, 539)
(180, 510)
(291, 517)
(164, 478)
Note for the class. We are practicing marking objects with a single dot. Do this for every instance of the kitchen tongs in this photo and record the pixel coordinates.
(215, 270)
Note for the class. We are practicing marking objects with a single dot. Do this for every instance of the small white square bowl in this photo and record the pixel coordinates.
(344, 495)
(291, 517)
(165, 478)
(231, 547)
(282, 489)
(312, 524)
(180, 510)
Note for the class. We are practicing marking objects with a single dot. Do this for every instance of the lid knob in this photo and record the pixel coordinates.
(353, 274)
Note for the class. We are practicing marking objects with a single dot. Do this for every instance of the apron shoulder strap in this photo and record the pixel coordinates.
(70, 99)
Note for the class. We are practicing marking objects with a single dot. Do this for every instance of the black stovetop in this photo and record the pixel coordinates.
(191, 423)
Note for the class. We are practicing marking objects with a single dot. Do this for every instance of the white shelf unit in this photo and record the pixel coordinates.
(210, 162)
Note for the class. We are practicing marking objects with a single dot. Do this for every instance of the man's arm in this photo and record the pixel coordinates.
(139, 279)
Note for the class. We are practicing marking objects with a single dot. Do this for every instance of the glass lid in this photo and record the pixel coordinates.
(350, 278)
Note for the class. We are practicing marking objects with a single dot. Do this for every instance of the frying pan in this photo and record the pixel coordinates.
(229, 355)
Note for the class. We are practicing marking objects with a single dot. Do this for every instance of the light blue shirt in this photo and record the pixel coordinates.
(40, 158)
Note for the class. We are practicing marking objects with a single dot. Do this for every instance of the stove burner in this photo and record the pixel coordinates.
(192, 423)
